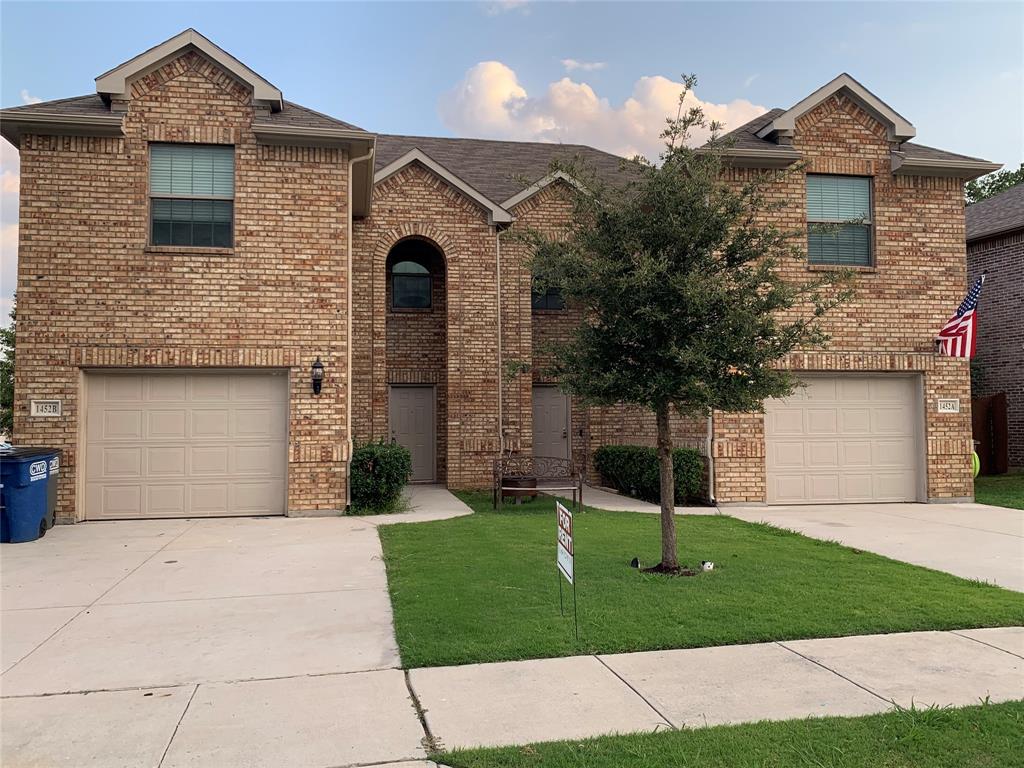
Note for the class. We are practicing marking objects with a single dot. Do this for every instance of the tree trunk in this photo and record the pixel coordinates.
(669, 557)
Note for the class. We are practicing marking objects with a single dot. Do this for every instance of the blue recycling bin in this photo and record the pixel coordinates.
(28, 492)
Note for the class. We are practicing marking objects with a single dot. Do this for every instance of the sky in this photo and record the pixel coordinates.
(604, 74)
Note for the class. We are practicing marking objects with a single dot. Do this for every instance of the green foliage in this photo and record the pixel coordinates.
(7, 376)
(633, 469)
(379, 472)
(981, 189)
(675, 269)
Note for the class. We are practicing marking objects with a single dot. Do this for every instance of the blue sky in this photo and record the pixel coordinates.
(597, 73)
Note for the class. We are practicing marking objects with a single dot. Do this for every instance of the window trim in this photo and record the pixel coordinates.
(869, 222)
(150, 197)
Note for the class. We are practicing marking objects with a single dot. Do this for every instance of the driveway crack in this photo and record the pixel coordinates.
(177, 725)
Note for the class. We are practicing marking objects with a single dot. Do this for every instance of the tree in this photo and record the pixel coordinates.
(674, 269)
(982, 189)
(7, 375)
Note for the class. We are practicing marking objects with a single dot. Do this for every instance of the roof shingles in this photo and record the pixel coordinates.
(999, 214)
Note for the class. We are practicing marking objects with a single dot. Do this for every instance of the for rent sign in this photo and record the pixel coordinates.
(564, 559)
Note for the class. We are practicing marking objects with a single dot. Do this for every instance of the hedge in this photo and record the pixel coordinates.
(379, 472)
(633, 469)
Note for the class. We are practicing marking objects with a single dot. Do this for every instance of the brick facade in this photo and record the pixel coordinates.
(915, 283)
(93, 296)
(1000, 330)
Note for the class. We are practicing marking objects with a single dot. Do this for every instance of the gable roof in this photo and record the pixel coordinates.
(784, 124)
(749, 147)
(115, 82)
(499, 170)
(999, 214)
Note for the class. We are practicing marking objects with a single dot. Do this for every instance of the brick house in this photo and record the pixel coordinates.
(191, 243)
(995, 242)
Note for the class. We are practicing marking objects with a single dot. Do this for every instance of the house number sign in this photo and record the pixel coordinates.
(45, 408)
(949, 405)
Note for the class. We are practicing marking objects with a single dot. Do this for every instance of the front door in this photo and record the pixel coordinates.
(550, 422)
(411, 413)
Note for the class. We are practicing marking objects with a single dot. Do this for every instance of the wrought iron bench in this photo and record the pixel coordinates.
(521, 476)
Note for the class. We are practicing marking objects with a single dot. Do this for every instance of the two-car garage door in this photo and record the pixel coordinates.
(185, 444)
(847, 438)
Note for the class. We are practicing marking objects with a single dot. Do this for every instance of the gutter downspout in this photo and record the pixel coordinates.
(711, 460)
(501, 420)
(349, 445)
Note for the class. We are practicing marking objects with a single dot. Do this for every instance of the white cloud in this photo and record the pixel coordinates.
(489, 102)
(750, 80)
(505, 6)
(28, 98)
(586, 66)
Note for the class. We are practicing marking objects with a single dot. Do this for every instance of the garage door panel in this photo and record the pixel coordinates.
(121, 424)
(166, 500)
(166, 461)
(822, 454)
(822, 421)
(166, 388)
(855, 421)
(166, 425)
(209, 459)
(790, 422)
(857, 441)
(189, 444)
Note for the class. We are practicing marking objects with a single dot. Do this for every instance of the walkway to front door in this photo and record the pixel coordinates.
(550, 422)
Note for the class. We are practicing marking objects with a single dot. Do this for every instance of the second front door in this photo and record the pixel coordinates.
(411, 413)
(550, 422)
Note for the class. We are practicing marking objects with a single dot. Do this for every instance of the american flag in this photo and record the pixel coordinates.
(958, 336)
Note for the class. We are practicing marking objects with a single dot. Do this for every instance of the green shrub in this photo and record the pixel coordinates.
(379, 472)
(633, 469)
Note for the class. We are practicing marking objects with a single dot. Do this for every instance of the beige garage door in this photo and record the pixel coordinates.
(844, 439)
(182, 444)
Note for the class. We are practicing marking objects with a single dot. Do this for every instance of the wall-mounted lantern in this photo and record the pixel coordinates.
(317, 372)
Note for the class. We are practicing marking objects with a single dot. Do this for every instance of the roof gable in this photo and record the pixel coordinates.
(115, 84)
(897, 126)
(495, 213)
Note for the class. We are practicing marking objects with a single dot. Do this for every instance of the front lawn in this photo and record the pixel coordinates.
(973, 737)
(1000, 490)
(484, 587)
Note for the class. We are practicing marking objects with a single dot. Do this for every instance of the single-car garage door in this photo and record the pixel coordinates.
(845, 438)
(185, 444)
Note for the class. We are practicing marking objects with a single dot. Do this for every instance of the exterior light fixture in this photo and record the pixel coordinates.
(317, 372)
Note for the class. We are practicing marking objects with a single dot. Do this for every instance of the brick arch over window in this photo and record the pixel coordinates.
(419, 231)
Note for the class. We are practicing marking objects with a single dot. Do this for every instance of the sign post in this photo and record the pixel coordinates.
(565, 559)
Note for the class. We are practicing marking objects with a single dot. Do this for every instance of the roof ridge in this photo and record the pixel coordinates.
(500, 141)
(38, 104)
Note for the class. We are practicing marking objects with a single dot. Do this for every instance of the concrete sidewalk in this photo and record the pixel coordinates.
(583, 696)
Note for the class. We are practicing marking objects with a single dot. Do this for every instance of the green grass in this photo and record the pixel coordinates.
(1000, 490)
(987, 736)
(484, 587)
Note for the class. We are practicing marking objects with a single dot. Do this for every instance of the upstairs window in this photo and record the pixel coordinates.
(550, 299)
(192, 194)
(843, 205)
(410, 285)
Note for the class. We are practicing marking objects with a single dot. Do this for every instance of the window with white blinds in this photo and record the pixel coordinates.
(192, 190)
(839, 220)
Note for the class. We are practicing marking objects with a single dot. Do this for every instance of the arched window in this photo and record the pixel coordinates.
(410, 285)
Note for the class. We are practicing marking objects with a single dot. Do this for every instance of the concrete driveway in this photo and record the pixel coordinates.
(245, 642)
(975, 541)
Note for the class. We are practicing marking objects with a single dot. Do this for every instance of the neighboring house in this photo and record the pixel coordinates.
(191, 243)
(995, 242)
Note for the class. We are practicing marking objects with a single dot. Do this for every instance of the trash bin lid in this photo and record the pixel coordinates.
(26, 452)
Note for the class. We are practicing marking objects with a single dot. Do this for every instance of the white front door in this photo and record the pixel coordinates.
(845, 438)
(411, 413)
(550, 422)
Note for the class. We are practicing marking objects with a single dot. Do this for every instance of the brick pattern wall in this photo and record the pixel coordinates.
(916, 282)
(1000, 350)
(91, 295)
(416, 203)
